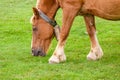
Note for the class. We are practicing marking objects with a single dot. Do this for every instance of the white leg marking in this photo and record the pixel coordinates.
(96, 52)
(58, 56)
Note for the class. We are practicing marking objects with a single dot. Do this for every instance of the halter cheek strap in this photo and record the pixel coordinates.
(51, 22)
(47, 19)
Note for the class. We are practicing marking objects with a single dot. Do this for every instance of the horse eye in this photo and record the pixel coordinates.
(34, 29)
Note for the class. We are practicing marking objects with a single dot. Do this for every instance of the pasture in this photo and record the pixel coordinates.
(17, 63)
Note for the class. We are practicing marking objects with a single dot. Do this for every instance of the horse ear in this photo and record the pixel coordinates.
(35, 11)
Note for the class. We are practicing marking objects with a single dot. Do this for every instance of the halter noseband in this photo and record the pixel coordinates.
(47, 19)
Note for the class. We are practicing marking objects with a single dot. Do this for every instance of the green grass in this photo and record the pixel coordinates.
(17, 63)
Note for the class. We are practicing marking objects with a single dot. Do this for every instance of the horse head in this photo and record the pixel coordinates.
(42, 31)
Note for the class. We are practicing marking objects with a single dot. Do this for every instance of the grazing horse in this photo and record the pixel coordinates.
(44, 24)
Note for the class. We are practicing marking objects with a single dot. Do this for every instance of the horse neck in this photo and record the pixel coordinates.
(48, 7)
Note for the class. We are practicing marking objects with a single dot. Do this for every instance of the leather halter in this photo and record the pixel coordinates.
(47, 19)
(51, 22)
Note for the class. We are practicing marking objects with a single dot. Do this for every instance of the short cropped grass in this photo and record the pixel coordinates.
(17, 63)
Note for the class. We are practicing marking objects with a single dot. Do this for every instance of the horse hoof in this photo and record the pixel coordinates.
(54, 60)
(57, 59)
(91, 56)
(94, 56)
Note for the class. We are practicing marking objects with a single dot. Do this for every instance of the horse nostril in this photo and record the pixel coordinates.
(35, 52)
(32, 51)
(39, 52)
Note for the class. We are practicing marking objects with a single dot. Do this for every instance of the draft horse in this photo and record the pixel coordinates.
(44, 24)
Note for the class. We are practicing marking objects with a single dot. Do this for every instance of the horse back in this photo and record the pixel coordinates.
(108, 9)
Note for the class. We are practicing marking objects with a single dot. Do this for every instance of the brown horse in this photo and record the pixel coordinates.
(43, 24)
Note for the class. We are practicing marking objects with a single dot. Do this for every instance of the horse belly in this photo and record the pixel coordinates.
(107, 9)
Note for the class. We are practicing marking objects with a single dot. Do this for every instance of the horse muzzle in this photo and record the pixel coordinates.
(36, 52)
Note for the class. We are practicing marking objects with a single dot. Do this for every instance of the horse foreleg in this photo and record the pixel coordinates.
(96, 51)
(68, 17)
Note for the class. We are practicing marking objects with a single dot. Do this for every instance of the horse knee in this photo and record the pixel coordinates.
(63, 36)
(91, 32)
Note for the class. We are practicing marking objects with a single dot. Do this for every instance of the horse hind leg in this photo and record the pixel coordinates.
(96, 51)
